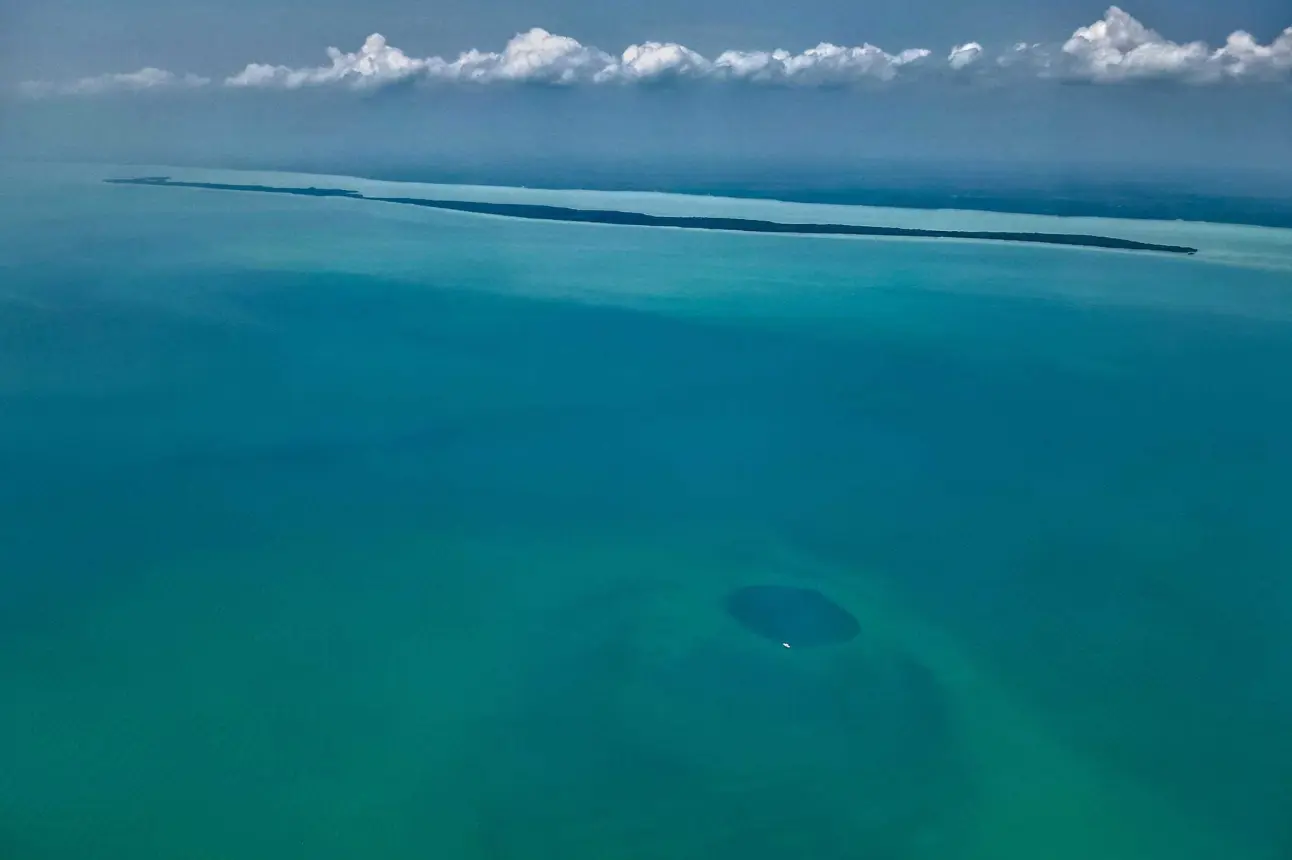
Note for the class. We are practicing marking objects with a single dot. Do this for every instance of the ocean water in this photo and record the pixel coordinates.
(334, 529)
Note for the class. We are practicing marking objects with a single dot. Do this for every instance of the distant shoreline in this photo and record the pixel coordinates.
(636, 219)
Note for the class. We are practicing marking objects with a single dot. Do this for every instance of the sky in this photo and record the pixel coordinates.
(59, 39)
(1167, 82)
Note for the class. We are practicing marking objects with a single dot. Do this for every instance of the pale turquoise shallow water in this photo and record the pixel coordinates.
(331, 530)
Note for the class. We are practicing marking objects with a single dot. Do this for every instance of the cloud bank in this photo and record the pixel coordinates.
(538, 56)
(1116, 48)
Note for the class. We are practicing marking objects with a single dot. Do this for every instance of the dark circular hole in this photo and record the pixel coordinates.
(795, 617)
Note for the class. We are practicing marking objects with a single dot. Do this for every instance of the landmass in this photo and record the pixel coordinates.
(637, 219)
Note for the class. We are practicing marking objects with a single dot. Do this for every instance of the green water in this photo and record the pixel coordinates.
(333, 532)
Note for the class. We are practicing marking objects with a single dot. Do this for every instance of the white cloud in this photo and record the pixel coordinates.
(1120, 48)
(1115, 48)
(535, 56)
(1243, 56)
(964, 55)
(824, 65)
(144, 79)
(374, 63)
(653, 61)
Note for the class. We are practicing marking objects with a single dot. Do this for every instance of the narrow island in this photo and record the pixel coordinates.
(637, 219)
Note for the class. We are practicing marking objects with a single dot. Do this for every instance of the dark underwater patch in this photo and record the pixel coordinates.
(794, 617)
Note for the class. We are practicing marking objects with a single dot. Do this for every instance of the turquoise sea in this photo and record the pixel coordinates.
(338, 529)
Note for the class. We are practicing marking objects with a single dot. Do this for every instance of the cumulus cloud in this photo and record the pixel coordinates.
(964, 55)
(1119, 48)
(1115, 48)
(824, 65)
(374, 63)
(536, 56)
(653, 61)
(1242, 55)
